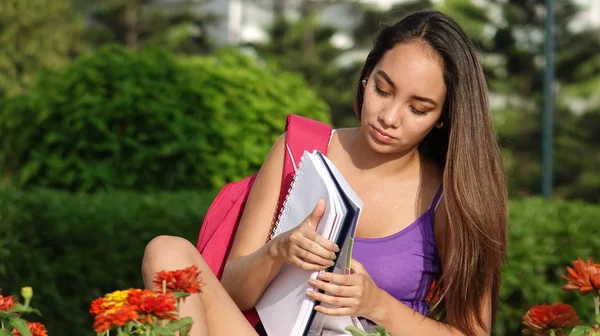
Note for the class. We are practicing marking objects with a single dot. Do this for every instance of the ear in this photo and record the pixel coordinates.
(440, 124)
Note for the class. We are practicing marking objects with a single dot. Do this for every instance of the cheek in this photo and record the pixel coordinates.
(419, 126)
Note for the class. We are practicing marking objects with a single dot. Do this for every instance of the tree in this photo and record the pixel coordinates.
(177, 25)
(35, 34)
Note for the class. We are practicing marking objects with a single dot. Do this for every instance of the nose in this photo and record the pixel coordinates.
(390, 117)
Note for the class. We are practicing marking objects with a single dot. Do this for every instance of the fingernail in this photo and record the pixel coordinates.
(312, 282)
(331, 263)
(309, 293)
(337, 249)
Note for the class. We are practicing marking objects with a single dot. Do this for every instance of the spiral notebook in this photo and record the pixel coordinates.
(284, 308)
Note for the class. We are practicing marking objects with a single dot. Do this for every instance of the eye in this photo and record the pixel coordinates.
(381, 92)
(417, 112)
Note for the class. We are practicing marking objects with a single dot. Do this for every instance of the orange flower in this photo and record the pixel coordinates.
(36, 329)
(433, 296)
(7, 302)
(584, 277)
(151, 303)
(543, 319)
(185, 280)
(118, 316)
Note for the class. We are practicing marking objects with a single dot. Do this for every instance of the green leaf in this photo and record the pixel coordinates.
(184, 322)
(381, 331)
(5, 333)
(19, 308)
(162, 331)
(355, 331)
(21, 326)
(580, 330)
(179, 295)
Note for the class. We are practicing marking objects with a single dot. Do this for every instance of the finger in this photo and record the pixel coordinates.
(333, 289)
(312, 246)
(322, 241)
(310, 257)
(298, 262)
(331, 300)
(357, 267)
(340, 279)
(318, 211)
(331, 311)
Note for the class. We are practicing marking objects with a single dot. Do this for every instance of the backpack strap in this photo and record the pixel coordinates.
(301, 134)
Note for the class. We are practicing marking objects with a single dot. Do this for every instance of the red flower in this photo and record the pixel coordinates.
(433, 296)
(114, 317)
(185, 280)
(147, 303)
(7, 302)
(584, 277)
(36, 329)
(542, 319)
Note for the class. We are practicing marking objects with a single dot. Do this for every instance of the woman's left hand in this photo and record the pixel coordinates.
(350, 294)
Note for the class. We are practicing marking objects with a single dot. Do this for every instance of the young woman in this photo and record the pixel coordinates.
(424, 123)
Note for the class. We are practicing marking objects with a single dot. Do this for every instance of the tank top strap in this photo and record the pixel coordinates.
(436, 199)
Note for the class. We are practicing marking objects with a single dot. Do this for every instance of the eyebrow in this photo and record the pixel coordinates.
(387, 78)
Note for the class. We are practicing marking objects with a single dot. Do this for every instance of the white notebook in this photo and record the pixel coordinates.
(284, 308)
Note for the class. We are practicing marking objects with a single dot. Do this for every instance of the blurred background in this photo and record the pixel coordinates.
(121, 119)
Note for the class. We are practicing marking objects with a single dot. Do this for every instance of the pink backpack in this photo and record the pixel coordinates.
(221, 221)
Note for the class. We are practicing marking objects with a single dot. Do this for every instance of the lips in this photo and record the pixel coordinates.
(381, 136)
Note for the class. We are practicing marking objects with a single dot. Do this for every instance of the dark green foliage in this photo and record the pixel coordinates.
(544, 238)
(119, 119)
(73, 248)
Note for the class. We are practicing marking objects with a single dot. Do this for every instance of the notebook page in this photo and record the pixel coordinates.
(327, 231)
(281, 303)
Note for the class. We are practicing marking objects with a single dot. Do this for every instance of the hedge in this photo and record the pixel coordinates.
(145, 120)
(74, 247)
(544, 238)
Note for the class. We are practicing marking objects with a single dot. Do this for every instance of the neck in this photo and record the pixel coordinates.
(367, 160)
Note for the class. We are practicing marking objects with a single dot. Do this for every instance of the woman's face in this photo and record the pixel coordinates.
(403, 98)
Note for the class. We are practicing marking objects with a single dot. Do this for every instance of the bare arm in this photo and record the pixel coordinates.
(254, 262)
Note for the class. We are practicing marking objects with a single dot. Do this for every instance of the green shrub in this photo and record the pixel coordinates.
(544, 238)
(118, 119)
(72, 248)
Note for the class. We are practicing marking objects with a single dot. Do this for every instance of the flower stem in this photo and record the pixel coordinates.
(597, 305)
(552, 332)
(178, 308)
(2, 323)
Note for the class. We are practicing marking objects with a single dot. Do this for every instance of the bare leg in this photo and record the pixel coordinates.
(213, 311)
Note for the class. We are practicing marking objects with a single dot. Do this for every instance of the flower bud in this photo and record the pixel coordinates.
(27, 293)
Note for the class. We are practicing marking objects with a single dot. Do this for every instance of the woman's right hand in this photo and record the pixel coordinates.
(303, 247)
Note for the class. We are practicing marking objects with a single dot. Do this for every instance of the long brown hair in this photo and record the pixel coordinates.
(467, 149)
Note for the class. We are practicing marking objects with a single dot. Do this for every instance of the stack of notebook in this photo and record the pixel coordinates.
(284, 308)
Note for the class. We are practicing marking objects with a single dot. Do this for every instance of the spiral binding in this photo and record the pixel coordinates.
(285, 205)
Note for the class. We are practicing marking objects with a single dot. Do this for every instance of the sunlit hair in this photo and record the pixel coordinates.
(467, 149)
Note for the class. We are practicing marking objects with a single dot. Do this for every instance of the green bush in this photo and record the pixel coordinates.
(119, 119)
(72, 248)
(544, 238)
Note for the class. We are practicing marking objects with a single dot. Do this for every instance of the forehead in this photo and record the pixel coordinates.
(415, 65)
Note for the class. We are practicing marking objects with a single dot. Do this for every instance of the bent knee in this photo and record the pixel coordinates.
(168, 247)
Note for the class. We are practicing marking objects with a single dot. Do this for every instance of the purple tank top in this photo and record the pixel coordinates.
(405, 263)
